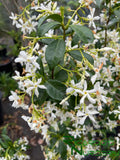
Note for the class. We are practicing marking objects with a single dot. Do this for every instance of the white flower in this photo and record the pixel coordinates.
(80, 1)
(85, 114)
(33, 123)
(17, 101)
(33, 86)
(86, 94)
(17, 77)
(118, 142)
(74, 88)
(23, 26)
(97, 73)
(117, 112)
(14, 18)
(75, 133)
(27, 26)
(99, 91)
(25, 58)
(36, 47)
(50, 33)
(14, 97)
(32, 24)
(44, 129)
(111, 124)
(49, 7)
(92, 18)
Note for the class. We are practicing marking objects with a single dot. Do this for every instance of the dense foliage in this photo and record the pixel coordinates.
(71, 73)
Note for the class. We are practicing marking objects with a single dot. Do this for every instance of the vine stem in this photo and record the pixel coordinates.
(52, 73)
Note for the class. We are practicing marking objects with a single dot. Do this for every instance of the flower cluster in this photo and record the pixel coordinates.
(70, 72)
(13, 150)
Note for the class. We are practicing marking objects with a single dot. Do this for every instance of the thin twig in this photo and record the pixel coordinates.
(6, 7)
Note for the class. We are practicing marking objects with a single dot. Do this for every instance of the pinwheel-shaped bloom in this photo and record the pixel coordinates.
(14, 18)
(86, 94)
(92, 18)
(17, 102)
(33, 86)
(25, 58)
(87, 113)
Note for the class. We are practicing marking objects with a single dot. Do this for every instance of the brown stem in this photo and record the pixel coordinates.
(52, 73)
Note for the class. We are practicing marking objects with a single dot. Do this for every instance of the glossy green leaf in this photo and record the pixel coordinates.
(44, 28)
(42, 97)
(55, 17)
(47, 41)
(41, 20)
(75, 40)
(84, 33)
(113, 22)
(39, 61)
(55, 89)
(89, 58)
(62, 148)
(55, 53)
(61, 76)
(117, 13)
(76, 55)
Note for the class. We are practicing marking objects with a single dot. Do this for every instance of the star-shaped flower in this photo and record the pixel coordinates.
(92, 18)
(87, 113)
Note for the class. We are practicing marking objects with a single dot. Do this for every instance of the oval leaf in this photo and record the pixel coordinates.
(61, 76)
(55, 89)
(46, 27)
(41, 20)
(89, 58)
(76, 55)
(39, 61)
(55, 53)
(55, 17)
(84, 33)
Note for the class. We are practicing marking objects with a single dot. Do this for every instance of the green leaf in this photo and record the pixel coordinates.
(55, 89)
(55, 17)
(42, 97)
(89, 58)
(62, 149)
(6, 138)
(47, 41)
(53, 141)
(99, 2)
(68, 31)
(55, 53)
(112, 22)
(4, 131)
(75, 40)
(46, 27)
(41, 20)
(76, 55)
(39, 61)
(117, 13)
(84, 33)
(3, 145)
(61, 76)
